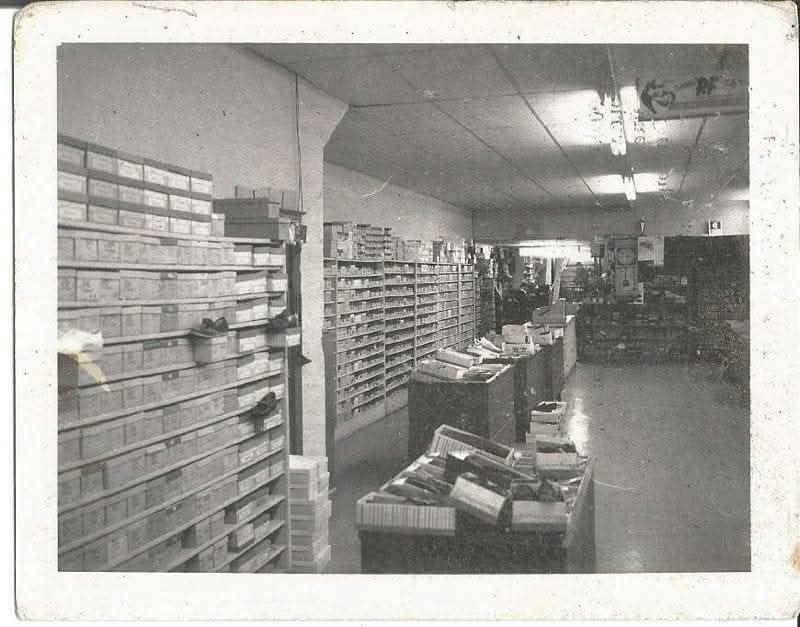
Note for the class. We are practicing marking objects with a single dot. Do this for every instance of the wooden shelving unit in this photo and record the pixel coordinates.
(160, 463)
(356, 320)
(409, 310)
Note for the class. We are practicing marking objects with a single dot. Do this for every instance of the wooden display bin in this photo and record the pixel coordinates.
(529, 386)
(554, 370)
(483, 408)
(474, 549)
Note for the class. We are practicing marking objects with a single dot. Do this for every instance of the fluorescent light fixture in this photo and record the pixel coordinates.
(614, 129)
(630, 187)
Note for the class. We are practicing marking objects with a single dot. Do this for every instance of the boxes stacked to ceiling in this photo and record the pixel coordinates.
(309, 512)
(163, 464)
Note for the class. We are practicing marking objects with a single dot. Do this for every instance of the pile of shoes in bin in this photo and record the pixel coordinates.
(466, 481)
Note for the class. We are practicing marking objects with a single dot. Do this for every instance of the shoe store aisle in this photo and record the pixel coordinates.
(671, 492)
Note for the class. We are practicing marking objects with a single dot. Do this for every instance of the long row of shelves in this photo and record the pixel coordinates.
(420, 313)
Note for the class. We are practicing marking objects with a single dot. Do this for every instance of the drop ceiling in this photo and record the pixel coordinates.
(511, 126)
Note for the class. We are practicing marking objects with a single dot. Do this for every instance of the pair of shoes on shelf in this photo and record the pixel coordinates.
(283, 320)
(266, 405)
(210, 328)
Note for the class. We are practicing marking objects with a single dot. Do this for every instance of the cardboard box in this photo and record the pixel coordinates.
(132, 219)
(111, 321)
(67, 284)
(102, 190)
(108, 248)
(69, 447)
(101, 159)
(136, 534)
(209, 349)
(158, 219)
(89, 402)
(117, 547)
(151, 319)
(69, 487)
(85, 245)
(178, 178)
(155, 174)
(198, 534)
(100, 213)
(131, 321)
(180, 203)
(96, 286)
(71, 210)
(70, 527)
(241, 538)
(131, 194)
(201, 207)
(73, 181)
(71, 151)
(133, 358)
(91, 480)
(116, 509)
(201, 228)
(155, 199)
(130, 166)
(180, 225)
(201, 183)
(157, 521)
(99, 439)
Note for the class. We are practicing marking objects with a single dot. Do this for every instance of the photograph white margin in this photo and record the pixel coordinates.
(770, 590)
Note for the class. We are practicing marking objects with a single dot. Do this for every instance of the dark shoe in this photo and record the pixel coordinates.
(221, 325)
(266, 405)
(283, 320)
(205, 329)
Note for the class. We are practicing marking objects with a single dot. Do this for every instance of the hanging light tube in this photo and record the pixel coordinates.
(629, 186)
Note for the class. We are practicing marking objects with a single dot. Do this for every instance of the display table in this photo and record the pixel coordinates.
(530, 386)
(483, 550)
(485, 408)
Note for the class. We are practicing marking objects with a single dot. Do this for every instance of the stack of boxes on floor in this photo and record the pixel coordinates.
(309, 512)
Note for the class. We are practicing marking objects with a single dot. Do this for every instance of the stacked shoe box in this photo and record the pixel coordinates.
(547, 419)
(309, 512)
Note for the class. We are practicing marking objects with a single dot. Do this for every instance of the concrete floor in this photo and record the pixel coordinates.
(671, 445)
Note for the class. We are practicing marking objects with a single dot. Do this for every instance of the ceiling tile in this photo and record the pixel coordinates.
(402, 120)
(596, 160)
(725, 127)
(518, 141)
(292, 53)
(490, 113)
(543, 68)
(452, 72)
(356, 80)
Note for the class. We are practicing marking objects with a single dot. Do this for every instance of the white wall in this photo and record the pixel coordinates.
(220, 109)
(667, 219)
(349, 197)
